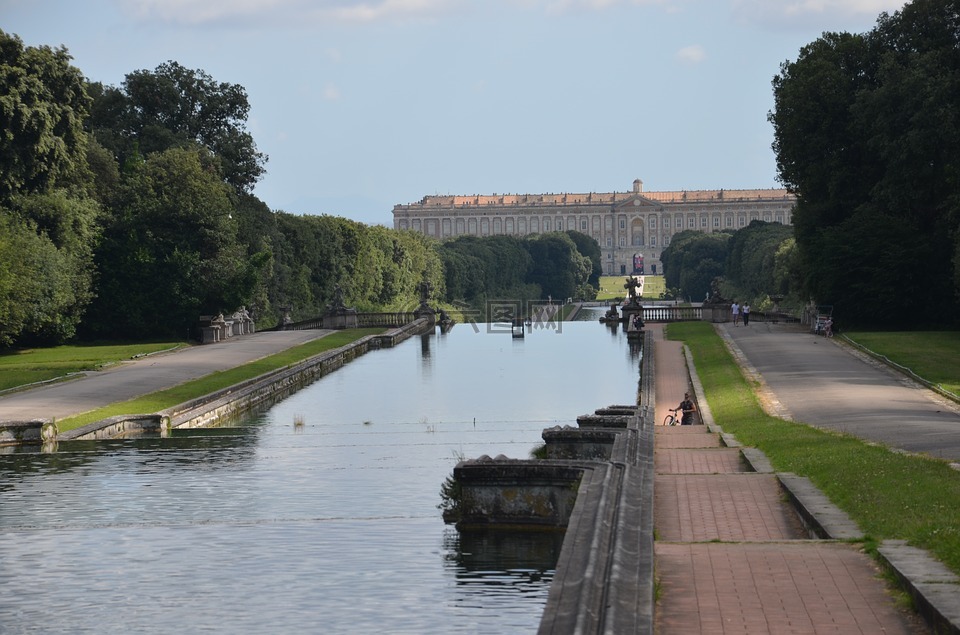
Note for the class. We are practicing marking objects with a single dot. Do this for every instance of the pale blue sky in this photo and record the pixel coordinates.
(362, 105)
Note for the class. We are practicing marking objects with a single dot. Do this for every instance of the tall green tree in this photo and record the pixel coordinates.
(589, 247)
(43, 103)
(692, 260)
(170, 251)
(45, 181)
(557, 266)
(752, 258)
(867, 134)
(173, 106)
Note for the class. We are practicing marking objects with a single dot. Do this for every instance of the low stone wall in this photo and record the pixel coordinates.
(569, 443)
(516, 493)
(120, 426)
(230, 402)
(26, 432)
(604, 579)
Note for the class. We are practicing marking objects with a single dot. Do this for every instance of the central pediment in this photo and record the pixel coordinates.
(638, 202)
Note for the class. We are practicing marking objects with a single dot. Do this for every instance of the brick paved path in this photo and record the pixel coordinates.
(732, 555)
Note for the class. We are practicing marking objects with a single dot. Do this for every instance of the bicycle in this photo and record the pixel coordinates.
(672, 419)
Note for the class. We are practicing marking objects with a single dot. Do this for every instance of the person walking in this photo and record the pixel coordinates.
(735, 309)
(687, 408)
(746, 314)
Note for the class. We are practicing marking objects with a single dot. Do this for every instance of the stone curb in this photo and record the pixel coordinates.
(934, 588)
(821, 517)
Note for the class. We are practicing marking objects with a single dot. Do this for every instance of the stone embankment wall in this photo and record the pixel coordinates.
(230, 402)
(597, 482)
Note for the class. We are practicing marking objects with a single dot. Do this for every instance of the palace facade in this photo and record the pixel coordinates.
(630, 227)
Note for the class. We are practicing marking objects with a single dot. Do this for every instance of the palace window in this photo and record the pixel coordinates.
(653, 241)
(691, 222)
(623, 223)
(583, 224)
(743, 221)
(703, 221)
(653, 222)
(716, 221)
(609, 241)
(623, 241)
(559, 225)
(679, 223)
(729, 221)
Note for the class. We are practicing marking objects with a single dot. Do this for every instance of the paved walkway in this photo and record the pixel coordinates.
(819, 381)
(145, 375)
(732, 555)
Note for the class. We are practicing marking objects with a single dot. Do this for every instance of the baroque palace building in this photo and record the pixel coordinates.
(632, 228)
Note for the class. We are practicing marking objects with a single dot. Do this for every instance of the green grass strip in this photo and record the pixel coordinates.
(21, 367)
(181, 393)
(932, 355)
(611, 287)
(890, 495)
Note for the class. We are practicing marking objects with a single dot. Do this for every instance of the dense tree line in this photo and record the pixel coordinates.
(127, 212)
(692, 260)
(751, 264)
(536, 267)
(867, 134)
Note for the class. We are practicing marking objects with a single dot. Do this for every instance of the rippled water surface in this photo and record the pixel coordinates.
(326, 526)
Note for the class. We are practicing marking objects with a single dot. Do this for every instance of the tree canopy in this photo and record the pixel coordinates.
(867, 134)
(173, 106)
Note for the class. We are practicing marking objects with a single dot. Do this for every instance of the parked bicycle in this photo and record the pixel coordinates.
(672, 419)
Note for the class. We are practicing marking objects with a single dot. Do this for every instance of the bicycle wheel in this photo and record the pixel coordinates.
(669, 420)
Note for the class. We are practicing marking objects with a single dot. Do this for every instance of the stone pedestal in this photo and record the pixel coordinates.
(342, 319)
(713, 312)
(209, 334)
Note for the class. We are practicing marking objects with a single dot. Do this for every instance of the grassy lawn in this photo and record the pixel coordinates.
(160, 400)
(26, 366)
(611, 287)
(889, 495)
(932, 355)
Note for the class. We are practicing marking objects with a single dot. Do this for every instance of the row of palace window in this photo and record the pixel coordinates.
(470, 225)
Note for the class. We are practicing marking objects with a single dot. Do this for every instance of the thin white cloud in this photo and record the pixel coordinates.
(302, 12)
(802, 13)
(563, 6)
(331, 93)
(693, 54)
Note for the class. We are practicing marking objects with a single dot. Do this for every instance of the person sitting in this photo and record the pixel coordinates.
(687, 407)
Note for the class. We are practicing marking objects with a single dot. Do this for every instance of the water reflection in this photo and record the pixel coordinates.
(317, 515)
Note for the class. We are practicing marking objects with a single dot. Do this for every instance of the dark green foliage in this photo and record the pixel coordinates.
(751, 264)
(692, 260)
(42, 107)
(173, 106)
(170, 250)
(48, 224)
(588, 247)
(557, 267)
(512, 268)
(480, 268)
(867, 133)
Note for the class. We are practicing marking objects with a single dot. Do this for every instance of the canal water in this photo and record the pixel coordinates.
(318, 515)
